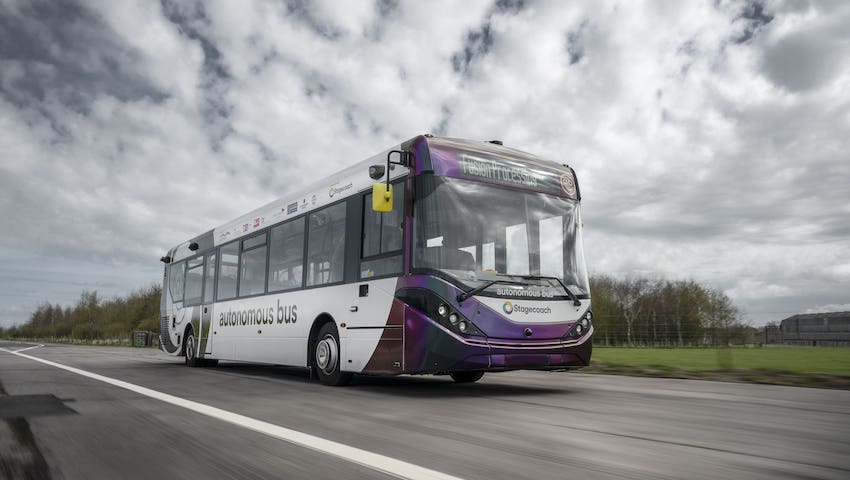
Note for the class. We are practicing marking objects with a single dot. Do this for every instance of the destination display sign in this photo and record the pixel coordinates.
(522, 175)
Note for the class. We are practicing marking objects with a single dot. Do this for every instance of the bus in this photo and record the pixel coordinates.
(437, 256)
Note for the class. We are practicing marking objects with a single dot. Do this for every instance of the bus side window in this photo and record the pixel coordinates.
(383, 233)
(286, 256)
(176, 281)
(194, 281)
(252, 274)
(228, 268)
(326, 245)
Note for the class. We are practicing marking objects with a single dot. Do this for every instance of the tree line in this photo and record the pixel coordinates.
(93, 318)
(633, 311)
(638, 311)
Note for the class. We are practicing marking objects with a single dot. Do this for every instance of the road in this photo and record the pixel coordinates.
(516, 425)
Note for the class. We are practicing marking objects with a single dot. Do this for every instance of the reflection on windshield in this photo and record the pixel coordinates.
(476, 232)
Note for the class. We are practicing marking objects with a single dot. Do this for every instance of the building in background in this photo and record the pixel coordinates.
(811, 329)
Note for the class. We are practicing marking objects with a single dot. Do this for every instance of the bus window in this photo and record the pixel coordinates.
(209, 278)
(552, 246)
(286, 256)
(382, 233)
(392, 225)
(228, 267)
(381, 266)
(326, 245)
(194, 281)
(252, 276)
(488, 256)
(517, 249)
(371, 228)
(176, 281)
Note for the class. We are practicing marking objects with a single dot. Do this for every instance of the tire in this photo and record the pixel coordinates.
(466, 377)
(326, 361)
(192, 359)
(211, 363)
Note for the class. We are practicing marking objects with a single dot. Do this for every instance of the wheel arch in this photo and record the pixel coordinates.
(185, 336)
(318, 322)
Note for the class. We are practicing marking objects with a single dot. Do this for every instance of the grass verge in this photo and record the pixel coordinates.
(800, 366)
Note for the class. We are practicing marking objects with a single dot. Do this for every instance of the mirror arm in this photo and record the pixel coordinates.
(404, 161)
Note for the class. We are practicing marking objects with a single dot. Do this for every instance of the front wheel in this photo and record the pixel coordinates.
(327, 362)
(466, 377)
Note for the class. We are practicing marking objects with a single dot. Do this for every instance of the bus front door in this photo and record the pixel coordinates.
(206, 330)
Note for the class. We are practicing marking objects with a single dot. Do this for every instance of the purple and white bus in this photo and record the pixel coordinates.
(438, 256)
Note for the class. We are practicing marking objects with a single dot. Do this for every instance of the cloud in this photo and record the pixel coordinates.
(808, 50)
(709, 138)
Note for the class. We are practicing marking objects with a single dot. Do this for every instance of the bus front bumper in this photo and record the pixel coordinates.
(430, 348)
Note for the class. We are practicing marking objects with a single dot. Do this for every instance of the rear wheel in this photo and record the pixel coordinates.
(466, 377)
(192, 359)
(326, 358)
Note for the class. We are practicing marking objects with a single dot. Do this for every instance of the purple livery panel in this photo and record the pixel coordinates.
(422, 345)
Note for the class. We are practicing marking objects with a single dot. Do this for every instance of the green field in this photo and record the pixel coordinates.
(832, 361)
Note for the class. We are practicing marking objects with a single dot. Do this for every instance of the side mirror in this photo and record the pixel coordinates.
(382, 197)
(376, 171)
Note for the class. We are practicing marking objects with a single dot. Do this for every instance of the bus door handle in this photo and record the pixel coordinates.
(173, 322)
(352, 308)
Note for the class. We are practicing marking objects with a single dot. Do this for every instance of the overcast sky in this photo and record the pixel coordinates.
(710, 138)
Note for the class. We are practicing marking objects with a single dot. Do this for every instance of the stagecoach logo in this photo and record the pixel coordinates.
(334, 190)
(245, 227)
(510, 307)
(259, 316)
(256, 222)
(568, 185)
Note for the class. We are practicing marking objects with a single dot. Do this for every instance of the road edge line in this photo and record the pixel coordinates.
(375, 461)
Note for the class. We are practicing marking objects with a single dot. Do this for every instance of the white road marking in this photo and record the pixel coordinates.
(368, 459)
(28, 348)
(35, 345)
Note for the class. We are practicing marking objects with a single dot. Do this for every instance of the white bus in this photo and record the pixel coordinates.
(438, 256)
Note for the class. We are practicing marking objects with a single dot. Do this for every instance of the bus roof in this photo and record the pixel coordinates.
(442, 158)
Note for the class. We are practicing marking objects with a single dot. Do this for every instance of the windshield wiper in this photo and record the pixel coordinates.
(475, 291)
(570, 293)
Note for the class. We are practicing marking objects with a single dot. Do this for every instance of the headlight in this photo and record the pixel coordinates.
(584, 322)
(579, 329)
(438, 310)
(588, 315)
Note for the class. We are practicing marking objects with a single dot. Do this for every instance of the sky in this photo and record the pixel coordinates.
(710, 138)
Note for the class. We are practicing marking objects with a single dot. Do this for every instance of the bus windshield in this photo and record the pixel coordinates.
(476, 233)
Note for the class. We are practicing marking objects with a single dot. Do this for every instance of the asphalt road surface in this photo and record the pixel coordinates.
(56, 423)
